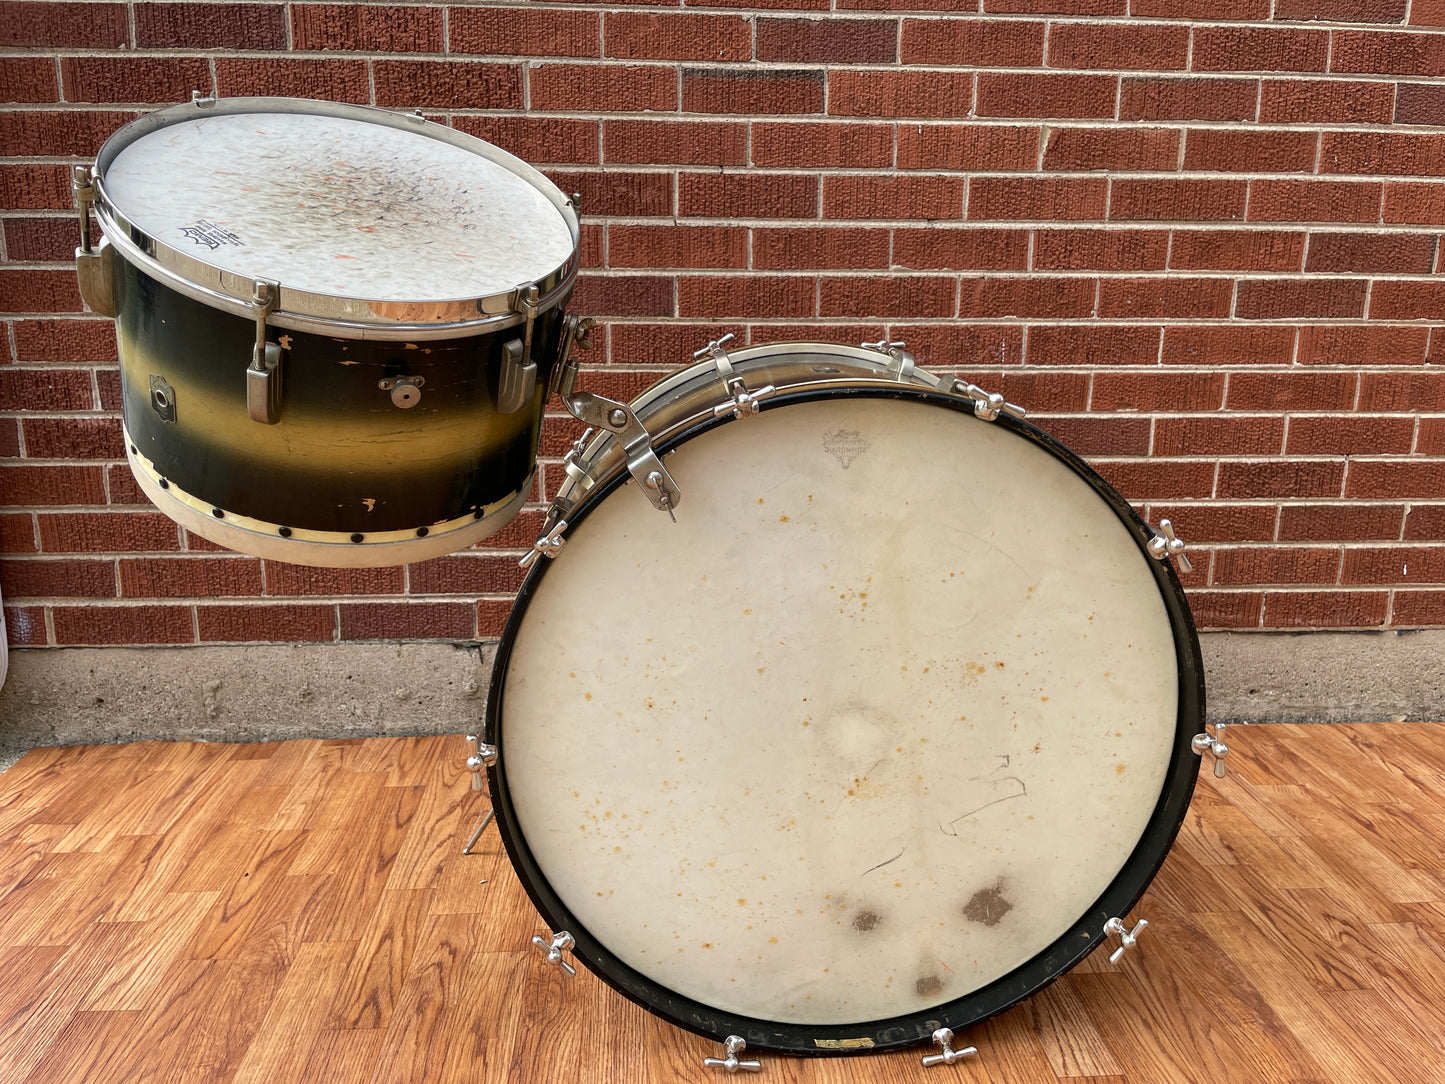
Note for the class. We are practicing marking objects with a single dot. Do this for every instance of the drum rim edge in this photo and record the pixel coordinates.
(1045, 967)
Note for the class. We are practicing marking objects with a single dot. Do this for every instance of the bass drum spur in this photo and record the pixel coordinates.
(336, 323)
(875, 739)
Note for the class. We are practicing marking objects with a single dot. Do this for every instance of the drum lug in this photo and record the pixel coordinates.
(734, 1046)
(741, 401)
(163, 398)
(622, 422)
(944, 1038)
(900, 361)
(518, 382)
(560, 943)
(94, 267)
(1212, 742)
(405, 390)
(1127, 937)
(1166, 543)
(263, 376)
(987, 405)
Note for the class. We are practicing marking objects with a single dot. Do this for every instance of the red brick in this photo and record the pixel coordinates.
(1420, 103)
(804, 144)
(1334, 435)
(815, 247)
(31, 578)
(38, 291)
(624, 295)
(961, 249)
(141, 79)
(1418, 608)
(1218, 523)
(902, 296)
(1226, 609)
(1395, 564)
(1408, 301)
(864, 5)
(1279, 299)
(128, 625)
(1228, 345)
(811, 333)
(26, 626)
(10, 438)
(1131, 46)
(1384, 53)
(1152, 392)
(86, 532)
(1383, 152)
(748, 195)
(1234, 151)
(767, 91)
(648, 36)
(1314, 201)
(1032, 297)
(1414, 202)
(1097, 435)
(65, 340)
(975, 147)
(409, 621)
(288, 579)
(985, 43)
(1254, 48)
(899, 93)
(1340, 522)
(1093, 346)
(370, 28)
(492, 614)
(1427, 13)
(1356, 345)
(70, 133)
(33, 187)
(73, 438)
(1431, 437)
(47, 389)
(617, 193)
(677, 246)
(1076, 149)
(48, 25)
(1326, 101)
(906, 197)
(1291, 391)
(766, 5)
(1158, 480)
(745, 296)
(42, 239)
(189, 577)
(264, 623)
(123, 487)
(1274, 478)
(520, 31)
(1165, 298)
(1403, 392)
(1179, 200)
(662, 344)
(1343, 11)
(1378, 480)
(1425, 522)
(450, 84)
(603, 87)
(1236, 250)
(466, 574)
(1048, 198)
(824, 41)
(1145, 98)
(28, 79)
(17, 534)
(988, 344)
(1283, 565)
(1212, 10)
(1007, 94)
(1325, 609)
(691, 143)
(1380, 253)
(26, 485)
(1058, 7)
(538, 139)
(211, 26)
(1101, 250)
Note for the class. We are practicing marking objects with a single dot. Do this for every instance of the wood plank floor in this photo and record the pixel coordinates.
(301, 911)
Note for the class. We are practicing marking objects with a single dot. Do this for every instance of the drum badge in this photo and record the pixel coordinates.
(845, 446)
(210, 234)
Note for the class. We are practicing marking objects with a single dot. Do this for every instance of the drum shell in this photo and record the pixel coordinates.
(342, 458)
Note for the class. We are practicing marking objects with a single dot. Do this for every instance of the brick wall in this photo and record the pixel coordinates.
(1199, 240)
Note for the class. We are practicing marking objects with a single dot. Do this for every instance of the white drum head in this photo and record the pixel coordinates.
(338, 206)
(873, 724)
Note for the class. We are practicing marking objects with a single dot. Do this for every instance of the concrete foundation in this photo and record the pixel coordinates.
(103, 695)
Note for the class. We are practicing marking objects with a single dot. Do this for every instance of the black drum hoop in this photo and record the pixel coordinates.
(1086, 934)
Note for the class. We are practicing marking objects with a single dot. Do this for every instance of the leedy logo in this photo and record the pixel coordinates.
(845, 445)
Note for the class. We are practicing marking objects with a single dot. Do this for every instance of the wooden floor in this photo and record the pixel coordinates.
(301, 911)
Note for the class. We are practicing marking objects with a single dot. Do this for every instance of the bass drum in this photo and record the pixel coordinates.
(873, 740)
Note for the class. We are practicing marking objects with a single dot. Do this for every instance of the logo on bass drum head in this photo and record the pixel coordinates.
(845, 445)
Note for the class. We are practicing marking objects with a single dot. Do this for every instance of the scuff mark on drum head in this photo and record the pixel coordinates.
(866, 921)
(928, 985)
(987, 906)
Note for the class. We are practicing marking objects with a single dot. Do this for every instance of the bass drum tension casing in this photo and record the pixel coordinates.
(873, 740)
(336, 324)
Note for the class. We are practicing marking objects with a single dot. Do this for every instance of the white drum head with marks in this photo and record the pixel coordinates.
(333, 205)
(872, 725)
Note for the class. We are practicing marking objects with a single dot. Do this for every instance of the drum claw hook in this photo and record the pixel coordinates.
(734, 1046)
(663, 501)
